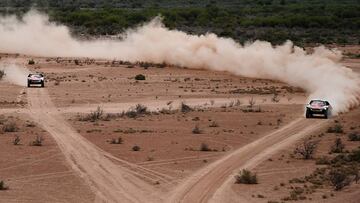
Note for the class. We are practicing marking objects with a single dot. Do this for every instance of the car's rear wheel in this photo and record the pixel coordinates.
(42, 84)
(28, 84)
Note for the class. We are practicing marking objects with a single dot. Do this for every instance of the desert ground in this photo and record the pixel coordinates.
(180, 135)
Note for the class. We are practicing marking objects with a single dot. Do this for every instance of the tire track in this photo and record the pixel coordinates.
(111, 182)
(202, 186)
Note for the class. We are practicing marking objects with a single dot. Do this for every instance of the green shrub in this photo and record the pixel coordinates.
(246, 177)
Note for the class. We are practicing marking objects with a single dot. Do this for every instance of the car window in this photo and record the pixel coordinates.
(317, 103)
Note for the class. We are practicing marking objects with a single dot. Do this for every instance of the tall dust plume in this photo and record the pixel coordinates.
(319, 73)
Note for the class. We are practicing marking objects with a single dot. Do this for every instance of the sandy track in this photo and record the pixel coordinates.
(111, 182)
(216, 178)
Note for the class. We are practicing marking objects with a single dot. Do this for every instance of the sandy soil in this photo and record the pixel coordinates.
(78, 163)
(33, 173)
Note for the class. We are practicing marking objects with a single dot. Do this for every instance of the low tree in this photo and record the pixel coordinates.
(306, 148)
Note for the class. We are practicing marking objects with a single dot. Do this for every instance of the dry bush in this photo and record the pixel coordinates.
(196, 130)
(2, 74)
(94, 115)
(354, 136)
(246, 177)
(214, 124)
(185, 108)
(337, 128)
(251, 102)
(275, 98)
(204, 147)
(140, 77)
(16, 140)
(31, 62)
(136, 148)
(118, 140)
(3, 186)
(338, 146)
(38, 142)
(339, 178)
(306, 148)
(139, 110)
(57, 82)
(10, 127)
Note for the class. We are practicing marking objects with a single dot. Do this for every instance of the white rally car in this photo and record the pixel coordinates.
(318, 107)
(37, 79)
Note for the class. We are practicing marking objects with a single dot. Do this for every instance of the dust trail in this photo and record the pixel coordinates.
(14, 73)
(320, 73)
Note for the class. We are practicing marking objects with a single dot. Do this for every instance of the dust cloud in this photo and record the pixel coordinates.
(14, 73)
(319, 73)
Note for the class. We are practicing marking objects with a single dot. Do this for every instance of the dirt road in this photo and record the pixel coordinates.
(210, 183)
(113, 179)
(109, 181)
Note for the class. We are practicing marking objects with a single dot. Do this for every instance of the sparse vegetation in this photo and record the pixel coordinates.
(338, 146)
(354, 136)
(139, 110)
(306, 148)
(204, 147)
(196, 130)
(38, 141)
(185, 108)
(246, 177)
(252, 102)
(214, 124)
(94, 115)
(140, 77)
(16, 140)
(10, 127)
(337, 128)
(339, 178)
(2, 74)
(31, 62)
(3, 186)
(118, 140)
(136, 148)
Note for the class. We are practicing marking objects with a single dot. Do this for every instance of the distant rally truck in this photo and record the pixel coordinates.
(318, 107)
(36, 79)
